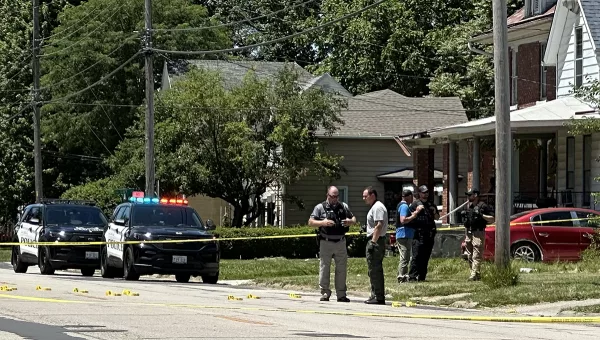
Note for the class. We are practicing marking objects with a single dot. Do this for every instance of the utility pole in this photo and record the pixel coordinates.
(37, 147)
(503, 135)
(149, 102)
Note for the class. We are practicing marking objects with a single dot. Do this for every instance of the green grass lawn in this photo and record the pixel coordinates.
(587, 309)
(547, 283)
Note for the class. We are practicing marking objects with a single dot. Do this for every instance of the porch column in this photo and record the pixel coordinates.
(452, 180)
(476, 163)
(543, 166)
(423, 160)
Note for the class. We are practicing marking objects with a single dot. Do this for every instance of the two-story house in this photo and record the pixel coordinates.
(551, 49)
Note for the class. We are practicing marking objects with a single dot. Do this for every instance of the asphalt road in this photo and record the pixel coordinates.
(166, 309)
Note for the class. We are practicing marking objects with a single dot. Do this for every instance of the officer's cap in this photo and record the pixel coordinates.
(472, 191)
(423, 189)
(407, 192)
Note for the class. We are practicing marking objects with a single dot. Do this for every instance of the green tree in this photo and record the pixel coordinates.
(233, 143)
(92, 40)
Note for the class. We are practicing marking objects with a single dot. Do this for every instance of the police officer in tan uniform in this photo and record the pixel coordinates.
(476, 215)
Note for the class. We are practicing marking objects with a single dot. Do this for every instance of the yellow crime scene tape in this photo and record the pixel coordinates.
(99, 243)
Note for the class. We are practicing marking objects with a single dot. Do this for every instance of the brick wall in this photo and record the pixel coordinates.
(528, 71)
(528, 171)
(487, 170)
(423, 160)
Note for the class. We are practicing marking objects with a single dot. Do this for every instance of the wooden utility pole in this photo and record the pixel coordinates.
(503, 135)
(37, 145)
(149, 102)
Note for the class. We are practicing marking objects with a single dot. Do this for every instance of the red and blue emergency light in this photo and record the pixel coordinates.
(138, 197)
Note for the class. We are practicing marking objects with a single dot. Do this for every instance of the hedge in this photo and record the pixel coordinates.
(296, 247)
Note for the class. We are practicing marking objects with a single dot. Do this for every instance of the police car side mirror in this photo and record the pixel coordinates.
(210, 225)
(34, 220)
(120, 222)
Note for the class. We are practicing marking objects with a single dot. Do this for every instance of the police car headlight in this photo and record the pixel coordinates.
(61, 234)
(145, 236)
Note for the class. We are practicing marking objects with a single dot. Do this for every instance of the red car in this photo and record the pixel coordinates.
(548, 242)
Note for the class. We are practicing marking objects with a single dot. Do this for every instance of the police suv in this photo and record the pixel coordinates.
(54, 220)
(152, 219)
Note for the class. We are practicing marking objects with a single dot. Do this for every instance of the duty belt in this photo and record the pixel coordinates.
(332, 239)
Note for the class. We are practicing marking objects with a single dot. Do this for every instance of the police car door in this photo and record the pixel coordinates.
(116, 231)
(29, 230)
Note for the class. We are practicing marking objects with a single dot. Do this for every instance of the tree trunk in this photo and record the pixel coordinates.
(238, 217)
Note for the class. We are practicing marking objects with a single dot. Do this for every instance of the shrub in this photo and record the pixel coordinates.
(293, 247)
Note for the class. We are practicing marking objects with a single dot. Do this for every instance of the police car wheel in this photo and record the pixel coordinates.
(211, 279)
(44, 262)
(183, 278)
(18, 265)
(106, 271)
(128, 267)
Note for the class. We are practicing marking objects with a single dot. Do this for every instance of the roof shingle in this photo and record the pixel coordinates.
(591, 10)
(387, 114)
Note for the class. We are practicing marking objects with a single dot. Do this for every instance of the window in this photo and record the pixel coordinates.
(543, 72)
(514, 78)
(343, 192)
(587, 166)
(593, 223)
(533, 7)
(578, 57)
(570, 162)
(565, 218)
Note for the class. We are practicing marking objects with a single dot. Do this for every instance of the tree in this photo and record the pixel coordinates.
(92, 40)
(290, 18)
(234, 143)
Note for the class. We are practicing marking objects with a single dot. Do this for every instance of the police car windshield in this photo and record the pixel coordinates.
(160, 215)
(73, 215)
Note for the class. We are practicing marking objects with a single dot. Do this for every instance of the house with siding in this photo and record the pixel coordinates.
(371, 154)
(553, 46)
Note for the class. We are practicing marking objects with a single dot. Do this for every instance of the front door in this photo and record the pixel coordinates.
(557, 235)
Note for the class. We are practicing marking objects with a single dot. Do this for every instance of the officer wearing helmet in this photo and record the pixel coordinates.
(476, 215)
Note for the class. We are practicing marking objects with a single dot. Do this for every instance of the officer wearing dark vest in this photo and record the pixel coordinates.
(475, 215)
(425, 231)
(333, 219)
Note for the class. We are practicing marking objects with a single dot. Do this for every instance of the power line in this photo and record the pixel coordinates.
(237, 49)
(188, 29)
(75, 25)
(96, 83)
(82, 38)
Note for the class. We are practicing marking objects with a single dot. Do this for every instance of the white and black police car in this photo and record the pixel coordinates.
(148, 219)
(56, 220)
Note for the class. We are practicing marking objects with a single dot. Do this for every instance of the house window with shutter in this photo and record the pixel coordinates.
(578, 57)
(543, 72)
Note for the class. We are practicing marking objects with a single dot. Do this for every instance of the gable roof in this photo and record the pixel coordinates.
(385, 114)
(591, 13)
(564, 19)
(233, 72)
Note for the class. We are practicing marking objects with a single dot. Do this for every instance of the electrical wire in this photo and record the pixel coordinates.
(96, 83)
(237, 49)
(270, 14)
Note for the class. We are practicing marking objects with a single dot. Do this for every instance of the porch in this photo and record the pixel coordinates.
(549, 167)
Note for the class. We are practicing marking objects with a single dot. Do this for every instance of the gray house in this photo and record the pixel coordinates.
(372, 154)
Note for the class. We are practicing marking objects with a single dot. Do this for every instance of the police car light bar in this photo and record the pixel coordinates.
(138, 197)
